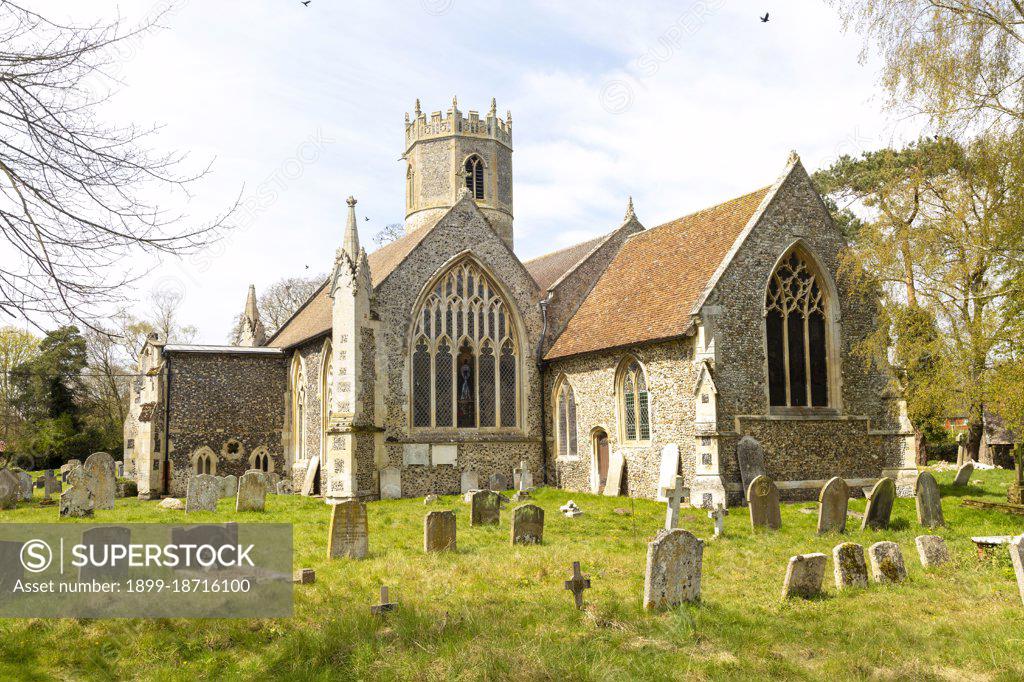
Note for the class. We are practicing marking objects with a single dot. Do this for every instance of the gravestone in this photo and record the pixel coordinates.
(119, 469)
(284, 487)
(668, 471)
(880, 501)
(577, 584)
(1017, 559)
(309, 481)
(718, 515)
(804, 575)
(10, 489)
(11, 567)
(26, 486)
(963, 474)
(386, 605)
(929, 501)
(613, 484)
(105, 536)
(77, 499)
(348, 535)
(485, 509)
(270, 480)
(390, 483)
(229, 486)
(304, 576)
(522, 478)
(216, 535)
(850, 568)
(470, 481)
(252, 492)
(497, 482)
(750, 456)
(102, 479)
(763, 498)
(673, 498)
(887, 563)
(931, 549)
(50, 484)
(527, 525)
(202, 493)
(832, 506)
(674, 563)
(439, 532)
(66, 468)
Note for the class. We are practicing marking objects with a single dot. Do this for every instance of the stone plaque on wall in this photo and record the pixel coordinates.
(416, 453)
(444, 454)
(390, 483)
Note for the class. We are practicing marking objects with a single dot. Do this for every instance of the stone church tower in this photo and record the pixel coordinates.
(448, 152)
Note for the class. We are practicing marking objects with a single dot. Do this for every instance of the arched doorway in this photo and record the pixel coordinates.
(600, 449)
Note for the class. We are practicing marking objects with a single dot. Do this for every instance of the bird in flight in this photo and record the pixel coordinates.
(764, 19)
(305, 3)
(307, 267)
(366, 218)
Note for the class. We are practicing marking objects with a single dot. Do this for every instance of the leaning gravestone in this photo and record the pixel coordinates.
(202, 493)
(750, 456)
(439, 532)
(929, 502)
(850, 568)
(102, 479)
(931, 549)
(674, 563)
(527, 525)
(804, 575)
(1017, 559)
(963, 474)
(763, 498)
(887, 563)
(485, 509)
(880, 501)
(26, 486)
(348, 536)
(77, 499)
(229, 486)
(832, 505)
(613, 484)
(309, 480)
(10, 489)
(470, 481)
(252, 492)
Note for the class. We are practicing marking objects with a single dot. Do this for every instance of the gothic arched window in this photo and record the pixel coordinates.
(475, 176)
(298, 380)
(634, 402)
(465, 355)
(796, 310)
(565, 411)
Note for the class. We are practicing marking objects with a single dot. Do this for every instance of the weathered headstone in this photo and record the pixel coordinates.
(763, 498)
(718, 515)
(270, 480)
(229, 486)
(390, 483)
(932, 550)
(10, 489)
(202, 493)
(527, 525)
(880, 501)
(668, 471)
(804, 575)
(439, 532)
(348, 536)
(284, 487)
(470, 481)
(485, 509)
(76, 500)
(1017, 559)
(26, 486)
(674, 564)
(963, 474)
(673, 498)
(105, 536)
(252, 492)
(887, 563)
(577, 584)
(102, 479)
(850, 568)
(50, 484)
(832, 506)
(498, 482)
(66, 468)
(750, 456)
(929, 501)
(309, 481)
(613, 484)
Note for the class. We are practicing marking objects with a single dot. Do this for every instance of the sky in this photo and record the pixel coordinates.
(680, 105)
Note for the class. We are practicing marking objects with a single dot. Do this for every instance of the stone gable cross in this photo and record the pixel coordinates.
(675, 496)
(384, 606)
(578, 583)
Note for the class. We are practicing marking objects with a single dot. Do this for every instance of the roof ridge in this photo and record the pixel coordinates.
(704, 210)
(570, 246)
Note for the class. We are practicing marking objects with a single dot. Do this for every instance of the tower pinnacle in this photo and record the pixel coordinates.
(252, 333)
(351, 243)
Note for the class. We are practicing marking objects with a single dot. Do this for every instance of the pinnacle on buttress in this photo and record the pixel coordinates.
(630, 215)
(418, 112)
(351, 243)
(253, 333)
(494, 107)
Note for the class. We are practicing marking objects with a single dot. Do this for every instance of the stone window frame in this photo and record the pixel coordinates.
(623, 373)
(209, 459)
(563, 398)
(263, 454)
(297, 377)
(472, 178)
(326, 393)
(232, 455)
(515, 332)
(833, 334)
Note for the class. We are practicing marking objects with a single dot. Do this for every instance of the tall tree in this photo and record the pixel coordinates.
(17, 347)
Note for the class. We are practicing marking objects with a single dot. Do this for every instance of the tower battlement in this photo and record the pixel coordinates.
(439, 124)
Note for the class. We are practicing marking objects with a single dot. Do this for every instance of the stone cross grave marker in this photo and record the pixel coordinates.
(347, 536)
(252, 492)
(202, 493)
(763, 498)
(668, 471)
(674, 564)
(522, 478)
(102, 479)
(470, 481)
(527, 525)
(963, 474)
(880, 501)
(929, 501)
(718, 515)
(832, 504)
(932, 550)
(384, 606)
(577, 584)
(674, 496)
(613, 484)
(1017, 559)
(750, 456)
(887, 563)
(850, 568)
(439, 532)
(485, 509)
(804, 575)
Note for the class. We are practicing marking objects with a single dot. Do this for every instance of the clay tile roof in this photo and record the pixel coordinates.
(313, 318)
(549, 268)
(647, 291)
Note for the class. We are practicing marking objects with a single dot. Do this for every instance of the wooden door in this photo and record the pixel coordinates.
(601, 446)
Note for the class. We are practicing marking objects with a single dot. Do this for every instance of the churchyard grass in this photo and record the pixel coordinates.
(496, 611)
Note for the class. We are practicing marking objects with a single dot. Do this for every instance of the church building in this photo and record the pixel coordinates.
(441, 359)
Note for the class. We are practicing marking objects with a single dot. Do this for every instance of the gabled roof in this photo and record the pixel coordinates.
(648, 290)
(546, 270)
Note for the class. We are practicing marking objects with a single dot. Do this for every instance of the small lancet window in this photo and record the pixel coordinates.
(474, 173)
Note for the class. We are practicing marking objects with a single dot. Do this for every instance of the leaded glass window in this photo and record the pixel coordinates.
(465, 361)
(474, 173)
(635, 403)
(795, 330)
(566, 410)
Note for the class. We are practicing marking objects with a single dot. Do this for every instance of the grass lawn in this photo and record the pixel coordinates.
(496, 612)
